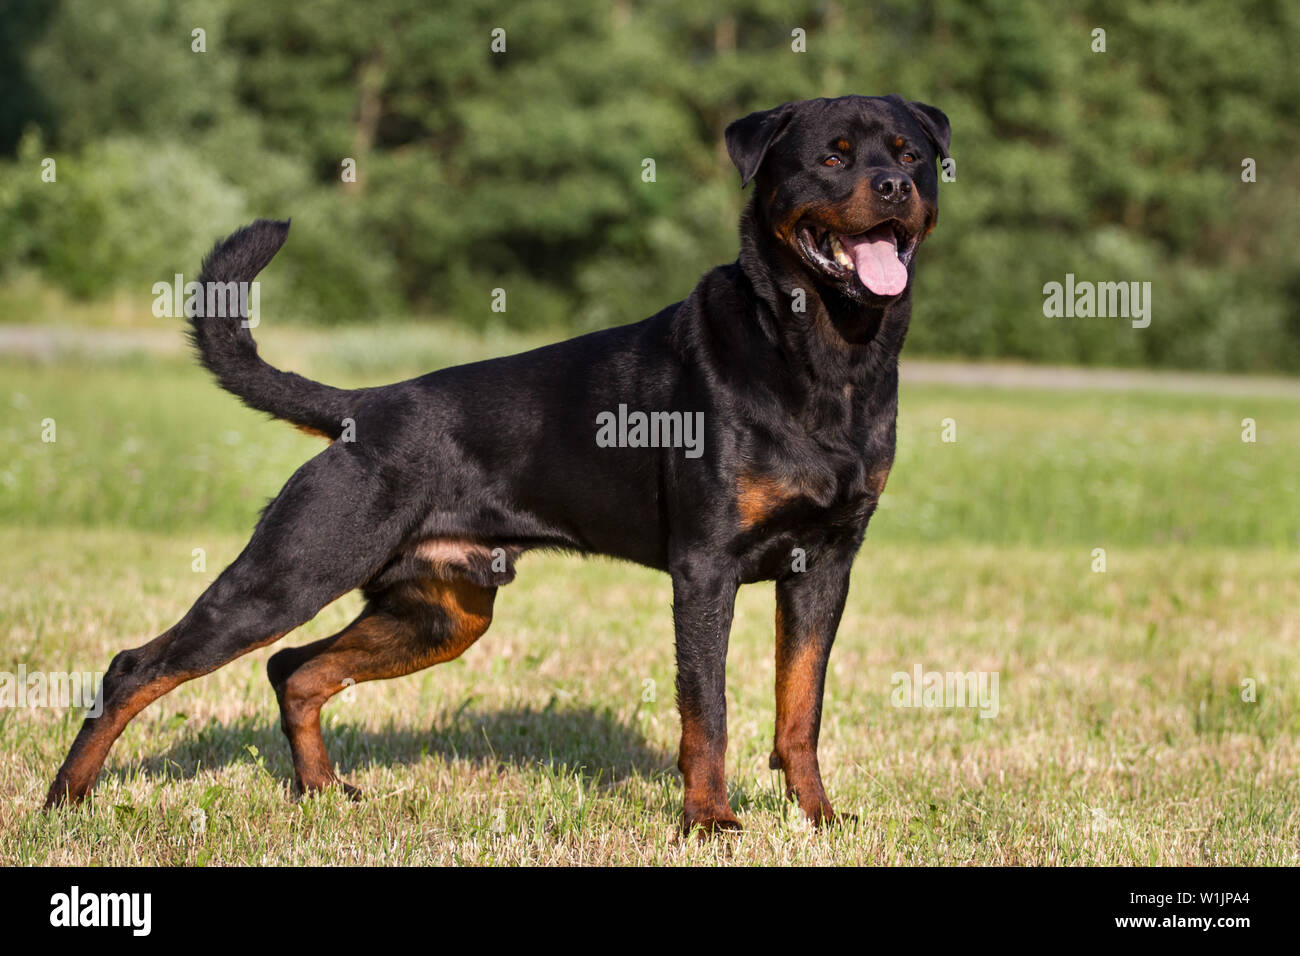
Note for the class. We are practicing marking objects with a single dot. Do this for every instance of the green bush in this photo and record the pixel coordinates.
(522, 169)
(123, 212)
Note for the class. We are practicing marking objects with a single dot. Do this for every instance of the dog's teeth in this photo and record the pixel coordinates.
(842, 257)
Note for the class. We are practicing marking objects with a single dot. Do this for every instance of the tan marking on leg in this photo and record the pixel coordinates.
(800, 676)
(376, 646)
(703, 766)
(468, 606)
(86, 757)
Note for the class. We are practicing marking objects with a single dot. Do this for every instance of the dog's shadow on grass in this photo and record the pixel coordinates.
(596, 744)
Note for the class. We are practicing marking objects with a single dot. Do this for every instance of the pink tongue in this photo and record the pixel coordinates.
(876, 256)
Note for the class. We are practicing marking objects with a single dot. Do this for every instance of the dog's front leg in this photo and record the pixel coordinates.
(808, 609)
(703, 602)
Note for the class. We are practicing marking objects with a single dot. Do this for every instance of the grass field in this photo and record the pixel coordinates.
(1122, 735)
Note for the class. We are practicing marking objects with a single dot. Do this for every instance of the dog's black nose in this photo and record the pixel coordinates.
(891, 186)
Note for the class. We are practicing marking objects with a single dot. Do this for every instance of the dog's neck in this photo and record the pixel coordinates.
(844, 340)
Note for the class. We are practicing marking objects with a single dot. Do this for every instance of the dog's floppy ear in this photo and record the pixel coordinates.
(933, 121)
(749, 138)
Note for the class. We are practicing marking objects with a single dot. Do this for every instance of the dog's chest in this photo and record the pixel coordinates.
(823, 484)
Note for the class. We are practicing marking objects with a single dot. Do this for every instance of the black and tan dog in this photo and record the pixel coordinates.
(790, 355)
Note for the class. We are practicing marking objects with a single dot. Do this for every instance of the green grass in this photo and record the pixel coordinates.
(1121, 738)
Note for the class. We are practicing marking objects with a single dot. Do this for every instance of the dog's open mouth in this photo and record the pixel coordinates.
(878, 257)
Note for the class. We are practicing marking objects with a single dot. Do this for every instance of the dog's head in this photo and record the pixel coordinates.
(848, 186)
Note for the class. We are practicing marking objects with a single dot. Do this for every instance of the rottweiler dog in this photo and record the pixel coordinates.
(743, 434)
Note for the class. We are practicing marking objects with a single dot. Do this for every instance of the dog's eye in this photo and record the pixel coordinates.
(832, 160)
(909, 157)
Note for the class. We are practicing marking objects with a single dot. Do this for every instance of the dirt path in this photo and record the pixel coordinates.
(1011, 375)
(50, 342)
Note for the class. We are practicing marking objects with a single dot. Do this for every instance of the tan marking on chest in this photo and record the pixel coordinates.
(759, 496)
(876, 480)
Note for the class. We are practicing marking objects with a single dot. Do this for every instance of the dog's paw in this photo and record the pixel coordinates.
(60, 796)
(707, 825)
(304, 790)
(355, 794)
(842, 821)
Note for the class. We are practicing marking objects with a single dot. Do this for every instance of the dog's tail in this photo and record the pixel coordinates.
(225, 343)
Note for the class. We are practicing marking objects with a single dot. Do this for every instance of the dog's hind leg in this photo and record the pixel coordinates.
(320, 538)
(405, 629)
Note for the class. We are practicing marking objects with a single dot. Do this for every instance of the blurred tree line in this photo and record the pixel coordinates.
(522, 169)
